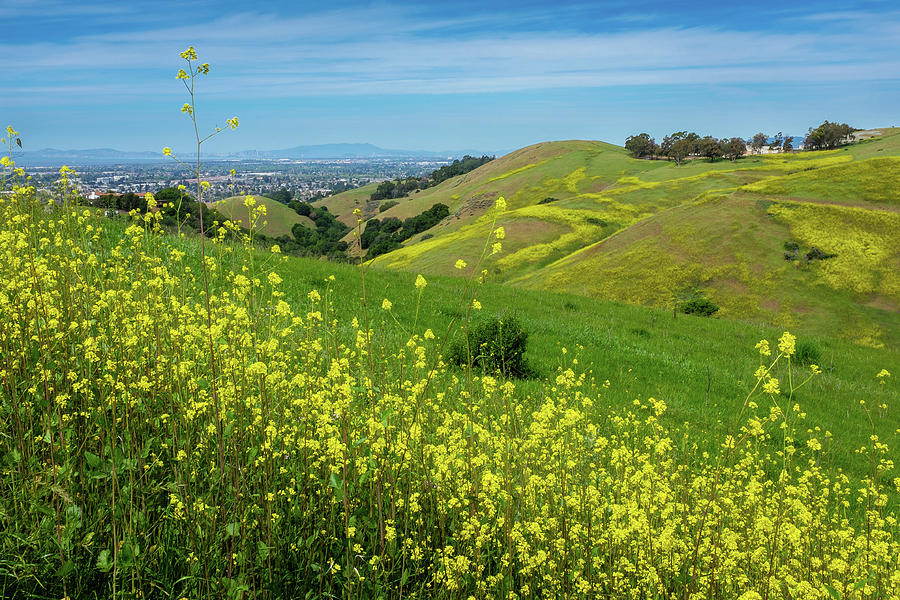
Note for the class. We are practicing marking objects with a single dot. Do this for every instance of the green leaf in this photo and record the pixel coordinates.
(73, 514)
(128, 554)
(860, 584)
(147, 446)
(65, 569)
(103, 562)
(232, 529)
(337, 484)
(92, 459)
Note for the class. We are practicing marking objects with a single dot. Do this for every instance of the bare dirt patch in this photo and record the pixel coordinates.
(882, 303)
(477, 205)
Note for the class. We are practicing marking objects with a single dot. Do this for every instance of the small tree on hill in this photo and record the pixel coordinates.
(759, 140)
(681, 149)
(778, 142)
(641, 145)
(680, 145)
(733, 148)
(788, 144)
(828, 136)
(709, 147)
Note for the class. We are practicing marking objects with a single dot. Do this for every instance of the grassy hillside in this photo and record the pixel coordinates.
(873, 181)
(278, 221)
(586, 218)
(283, 429)
(345, 203)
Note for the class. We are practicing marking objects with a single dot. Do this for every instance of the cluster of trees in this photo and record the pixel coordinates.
(682, 144)
(283, 195)
(828, 136)
(396, 188)
(458, 167)
(380, 237)
(324, 240)
(301, 208)
(176, 206)
(111, 200)
(286, 196)
(173, 205)
(402, 187)
(779, 142)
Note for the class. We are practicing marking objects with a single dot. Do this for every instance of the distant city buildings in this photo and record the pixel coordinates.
(304, 179)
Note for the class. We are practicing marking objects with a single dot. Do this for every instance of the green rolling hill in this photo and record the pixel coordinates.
(278, 221)
(584, 217)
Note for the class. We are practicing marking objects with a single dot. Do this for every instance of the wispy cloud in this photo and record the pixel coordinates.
(96, 54)
(391, 51)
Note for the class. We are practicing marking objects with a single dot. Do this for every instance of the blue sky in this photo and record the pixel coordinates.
(443, 75)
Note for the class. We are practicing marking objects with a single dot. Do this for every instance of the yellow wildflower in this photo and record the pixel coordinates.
(787, 344)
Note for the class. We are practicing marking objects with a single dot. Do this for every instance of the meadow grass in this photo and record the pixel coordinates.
(308, 441)
(865, 242)
(731, 247)
(875, 180)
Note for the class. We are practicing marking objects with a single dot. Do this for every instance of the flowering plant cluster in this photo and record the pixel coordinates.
(201, 435)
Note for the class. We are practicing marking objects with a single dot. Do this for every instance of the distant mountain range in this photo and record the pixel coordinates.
(311, 152)
(349, 151)
(91, 155)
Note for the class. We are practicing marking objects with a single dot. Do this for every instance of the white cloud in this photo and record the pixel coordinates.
(385, 50)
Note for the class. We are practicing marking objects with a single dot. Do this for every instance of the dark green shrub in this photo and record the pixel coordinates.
(496, 345)
(391, 224)
(700, 307)
(399, 231)
(807, 353)
(386, 205)
(548, 200)
(817, 254)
